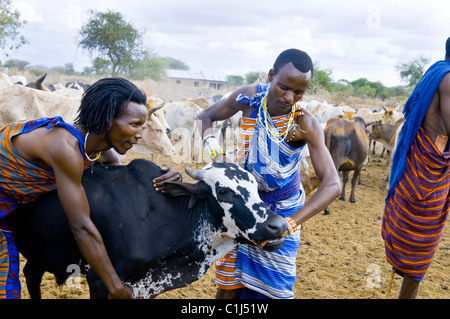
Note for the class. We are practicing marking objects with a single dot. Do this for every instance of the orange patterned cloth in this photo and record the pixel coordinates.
(416, 212)
(21, 182)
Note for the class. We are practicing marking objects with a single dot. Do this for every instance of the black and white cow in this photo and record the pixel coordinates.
(156, 242)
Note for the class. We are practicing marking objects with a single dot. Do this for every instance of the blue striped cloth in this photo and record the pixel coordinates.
(275, 165)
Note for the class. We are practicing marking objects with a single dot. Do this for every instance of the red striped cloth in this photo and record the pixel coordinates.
(416, 213)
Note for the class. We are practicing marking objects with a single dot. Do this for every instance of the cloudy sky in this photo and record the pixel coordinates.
(353, 39)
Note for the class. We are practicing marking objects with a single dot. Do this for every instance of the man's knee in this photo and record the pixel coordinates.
(227, 294)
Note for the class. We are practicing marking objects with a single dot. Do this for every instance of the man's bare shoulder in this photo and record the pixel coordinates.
(247, 90)
(445, 83)
(62, 147)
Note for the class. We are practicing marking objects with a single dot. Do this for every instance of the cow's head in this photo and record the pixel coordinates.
(154, 136)
(245, 217)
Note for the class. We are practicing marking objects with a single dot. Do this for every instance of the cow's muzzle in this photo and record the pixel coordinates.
(270, 236)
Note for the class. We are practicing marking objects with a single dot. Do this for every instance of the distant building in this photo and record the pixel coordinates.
(197, 79)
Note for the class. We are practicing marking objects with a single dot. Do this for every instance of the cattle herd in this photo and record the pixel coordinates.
(171, 130)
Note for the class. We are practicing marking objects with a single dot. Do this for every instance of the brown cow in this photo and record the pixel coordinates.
(310, 182)
(387, 134)
(391, 115)
(349, 147)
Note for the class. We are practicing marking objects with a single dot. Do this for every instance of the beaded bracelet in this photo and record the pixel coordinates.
(292, 226)
(212, 146)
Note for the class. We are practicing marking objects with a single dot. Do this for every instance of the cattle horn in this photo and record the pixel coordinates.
(195, 174)
(38, 84)
(370, 123)
(156, 108)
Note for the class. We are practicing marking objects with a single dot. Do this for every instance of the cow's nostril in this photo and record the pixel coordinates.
(277, 227)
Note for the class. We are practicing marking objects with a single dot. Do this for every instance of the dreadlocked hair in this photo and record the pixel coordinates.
(105, 100)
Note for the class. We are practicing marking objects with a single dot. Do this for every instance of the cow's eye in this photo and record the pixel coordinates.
(223, 192)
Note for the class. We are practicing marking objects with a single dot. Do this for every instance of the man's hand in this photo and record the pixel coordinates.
(171, 176)
(125, 293)
(221, 158)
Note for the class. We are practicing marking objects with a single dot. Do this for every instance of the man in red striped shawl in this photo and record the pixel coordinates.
(418, 201)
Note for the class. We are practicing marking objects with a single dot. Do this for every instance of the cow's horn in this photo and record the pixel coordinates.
(198, 175)
(154, 109)
(38, 83)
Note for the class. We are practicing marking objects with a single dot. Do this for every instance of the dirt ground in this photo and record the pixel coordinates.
(341, 255)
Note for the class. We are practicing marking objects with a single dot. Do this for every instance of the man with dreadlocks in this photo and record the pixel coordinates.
(41, 155)
(274, 130)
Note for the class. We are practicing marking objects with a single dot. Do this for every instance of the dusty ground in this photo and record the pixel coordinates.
(341, 256)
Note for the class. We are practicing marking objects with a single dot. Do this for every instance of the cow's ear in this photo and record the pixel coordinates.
(178, 189)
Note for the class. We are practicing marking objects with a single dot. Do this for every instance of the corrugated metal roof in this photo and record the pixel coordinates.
(196, 75)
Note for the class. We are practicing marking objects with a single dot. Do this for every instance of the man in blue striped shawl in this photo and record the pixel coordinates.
(274, 129)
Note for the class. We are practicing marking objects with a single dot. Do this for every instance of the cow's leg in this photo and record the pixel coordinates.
(354, 179)
(33, 276)
(344, 182)
(97, 290)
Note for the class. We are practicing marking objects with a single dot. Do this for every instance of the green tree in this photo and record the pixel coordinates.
(235, 80)
(154, 67)
(342, 86)
(412, 71)
(87, 71)
(57, 70)
(321, 79)
(252, 76)
(174, 64)
(365, 88)
(101, 66)
(108, 36)
(16, 63)
(10, 23)
(69, 69)
(37, 70)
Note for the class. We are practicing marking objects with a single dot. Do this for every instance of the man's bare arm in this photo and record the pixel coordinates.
(68, 167)
(444, 101)
(223, 109)
(330, 185)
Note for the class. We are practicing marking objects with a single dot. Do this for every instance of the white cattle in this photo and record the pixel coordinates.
(185, 136)
(311, 105)
(5, 81)
(388, 116)
(160, 113)
(200, 101)
(19, 103)
(324, 111)
(18, 79)
(391, 115)
(369, 116)
(69, 92)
